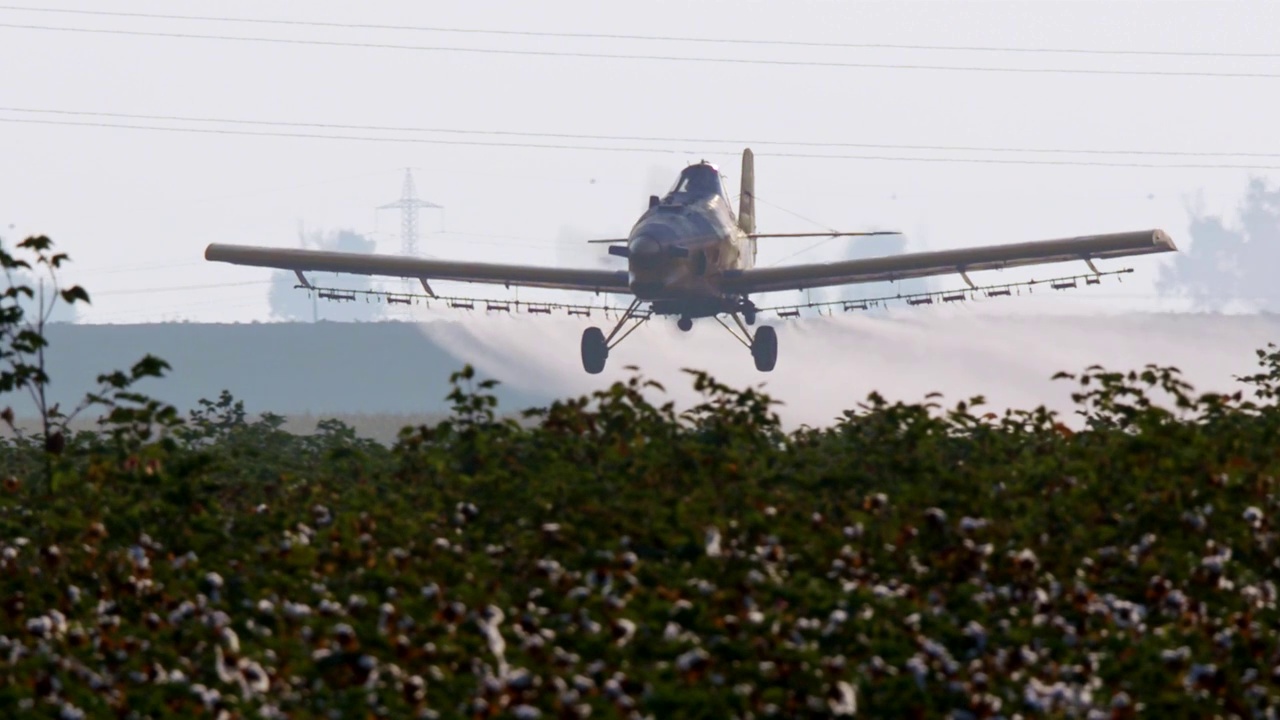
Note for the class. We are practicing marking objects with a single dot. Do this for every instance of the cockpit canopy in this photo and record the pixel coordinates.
(696, 182)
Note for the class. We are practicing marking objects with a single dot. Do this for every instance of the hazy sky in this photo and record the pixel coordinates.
(135, 209)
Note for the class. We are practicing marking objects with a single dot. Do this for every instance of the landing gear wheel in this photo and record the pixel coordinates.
(764, 350)
(594, 350)
(684, 324)
(749, 316)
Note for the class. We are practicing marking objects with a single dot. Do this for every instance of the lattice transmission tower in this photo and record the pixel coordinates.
(409, 204)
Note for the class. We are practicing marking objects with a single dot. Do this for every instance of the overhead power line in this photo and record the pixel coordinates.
(181, 288)
(318, 136)
(605, 148)
(663, 58)
(636, 138)
(647, 38)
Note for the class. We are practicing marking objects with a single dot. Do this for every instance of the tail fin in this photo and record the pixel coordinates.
(747, 203)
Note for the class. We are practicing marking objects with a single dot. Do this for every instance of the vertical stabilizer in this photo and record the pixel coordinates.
(747, 203)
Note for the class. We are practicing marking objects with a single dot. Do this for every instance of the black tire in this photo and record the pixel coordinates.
(749, 316)
(594, 350)
(685, 324)
(765, 348)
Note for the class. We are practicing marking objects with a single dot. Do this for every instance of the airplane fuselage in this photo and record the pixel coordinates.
(679, 249)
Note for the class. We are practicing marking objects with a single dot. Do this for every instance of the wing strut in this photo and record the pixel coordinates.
(965, 275)
(427, 288)
(303, 279)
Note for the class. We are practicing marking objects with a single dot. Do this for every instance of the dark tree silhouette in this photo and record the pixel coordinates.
(858, 248)
(292, 303)
(1230, 263)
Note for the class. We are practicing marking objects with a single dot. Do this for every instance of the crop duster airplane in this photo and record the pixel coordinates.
(689, 255)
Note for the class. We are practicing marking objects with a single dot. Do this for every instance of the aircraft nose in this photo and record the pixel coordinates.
(645, 248)
(645, 260)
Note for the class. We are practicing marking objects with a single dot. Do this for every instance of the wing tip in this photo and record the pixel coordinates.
(1163, 240)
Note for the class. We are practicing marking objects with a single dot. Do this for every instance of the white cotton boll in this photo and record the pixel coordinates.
(256, 679)
(230, 640)
(694, 658)
(1253, 516)
(1026, 557)
(844, 701)
(220, 666)
(40, 626)
(624, 630)
(713, 542)
(138, 556)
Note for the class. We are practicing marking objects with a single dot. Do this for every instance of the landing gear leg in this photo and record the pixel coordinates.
(763, 344)
(596, 347)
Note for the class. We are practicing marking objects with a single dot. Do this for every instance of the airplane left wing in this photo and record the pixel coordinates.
(421, 269)
(945, 262)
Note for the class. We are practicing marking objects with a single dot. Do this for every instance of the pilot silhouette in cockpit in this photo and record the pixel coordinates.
(701, 183)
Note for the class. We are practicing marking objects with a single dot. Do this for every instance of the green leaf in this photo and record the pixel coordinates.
(74, 294)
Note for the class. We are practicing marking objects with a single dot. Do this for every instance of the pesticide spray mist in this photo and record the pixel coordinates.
(830, 364)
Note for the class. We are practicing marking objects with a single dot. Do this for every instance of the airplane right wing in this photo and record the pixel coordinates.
(945, 262)
(299, 261)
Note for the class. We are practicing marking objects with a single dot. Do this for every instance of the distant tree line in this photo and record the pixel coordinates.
(1230, 263)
